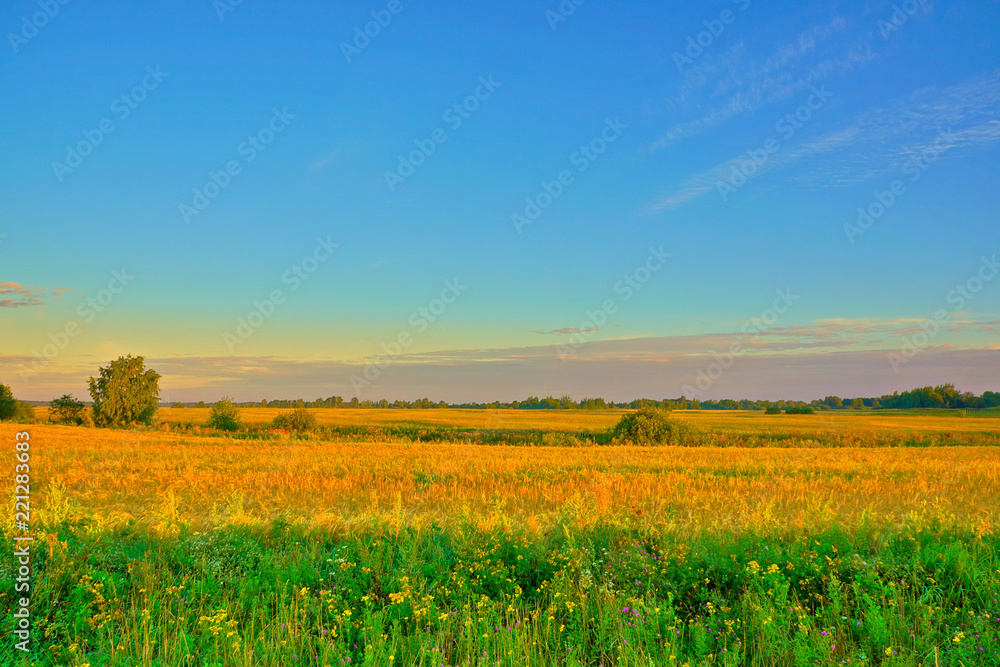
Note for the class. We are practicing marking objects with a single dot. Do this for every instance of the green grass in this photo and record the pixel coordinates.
(610, 596)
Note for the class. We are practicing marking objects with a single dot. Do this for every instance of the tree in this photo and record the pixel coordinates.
(125, 392)
(225, 416)
(833, 401)
(67, 410)
(8, 404)
(201, 404)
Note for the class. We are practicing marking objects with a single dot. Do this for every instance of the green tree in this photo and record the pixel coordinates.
(67, 410)
(225, 416)
(8, 404)
(201, 404)
(125, 392)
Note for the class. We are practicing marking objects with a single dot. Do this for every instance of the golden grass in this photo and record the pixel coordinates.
(722, 421)
(162, 480)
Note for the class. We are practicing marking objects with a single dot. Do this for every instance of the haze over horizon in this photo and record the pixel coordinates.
(482, 202)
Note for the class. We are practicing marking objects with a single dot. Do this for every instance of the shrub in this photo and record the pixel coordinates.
(560, 439)
(23, 412)
(773, 410)
(67, 410)
(299, 420)
(225, 416)
(650, 427)
(803, 410)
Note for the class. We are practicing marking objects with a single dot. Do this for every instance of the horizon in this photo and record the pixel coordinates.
(708, 201)
(346, 402)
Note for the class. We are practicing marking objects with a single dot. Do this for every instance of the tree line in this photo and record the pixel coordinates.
(126, 392)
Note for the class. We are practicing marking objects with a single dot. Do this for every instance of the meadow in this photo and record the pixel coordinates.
(369, 543)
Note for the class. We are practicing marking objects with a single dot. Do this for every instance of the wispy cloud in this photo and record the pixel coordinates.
(14, 295)
(565, 331)
(710, 179)
(752, 84)
(964, 116)
(325, 160)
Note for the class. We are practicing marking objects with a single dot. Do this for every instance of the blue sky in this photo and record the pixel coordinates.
(745, 159)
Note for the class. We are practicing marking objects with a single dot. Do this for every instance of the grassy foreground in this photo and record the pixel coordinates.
(157, 548)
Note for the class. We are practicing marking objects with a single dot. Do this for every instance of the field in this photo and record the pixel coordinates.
(373, 543)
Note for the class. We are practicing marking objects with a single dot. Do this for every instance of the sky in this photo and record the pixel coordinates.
(485, 201)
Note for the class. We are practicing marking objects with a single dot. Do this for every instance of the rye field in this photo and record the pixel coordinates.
(477, 537)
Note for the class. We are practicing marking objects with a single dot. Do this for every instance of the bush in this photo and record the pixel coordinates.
(773, 410)
(23, 412)
(68, 410)
(559, 439)
(650, 427)
(225, 416)
(804, 410)
(299, 420)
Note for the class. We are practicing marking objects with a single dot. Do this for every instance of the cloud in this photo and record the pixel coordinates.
(14, 295)
(325, 160)
(800, 375)
(843, 356)
(931, 121)
(752, 84)
(710, 179)
(565, 331)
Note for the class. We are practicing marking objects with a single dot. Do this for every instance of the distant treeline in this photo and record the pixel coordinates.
(942, 396)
